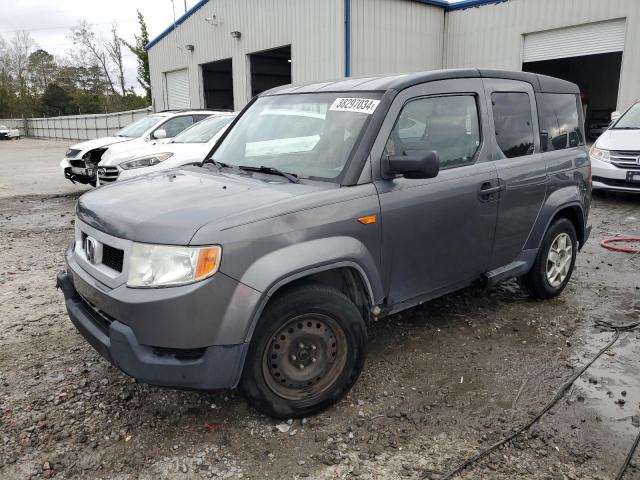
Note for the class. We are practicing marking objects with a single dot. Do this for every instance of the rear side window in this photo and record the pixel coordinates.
(513, 122)
(177, 124)
(559, 119)
(448, 125)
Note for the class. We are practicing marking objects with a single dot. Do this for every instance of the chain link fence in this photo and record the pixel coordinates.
(75, 127)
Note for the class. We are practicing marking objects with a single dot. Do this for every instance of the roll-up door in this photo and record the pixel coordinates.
(178, 89)
(581, 40)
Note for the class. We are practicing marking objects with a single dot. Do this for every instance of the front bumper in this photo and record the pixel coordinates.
(206, 368)
(609, 177)
(77, 174)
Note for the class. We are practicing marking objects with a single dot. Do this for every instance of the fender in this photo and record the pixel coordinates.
(556, 201)
(273, 271)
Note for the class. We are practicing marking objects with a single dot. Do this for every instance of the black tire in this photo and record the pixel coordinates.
(310, 316)
(536, 283)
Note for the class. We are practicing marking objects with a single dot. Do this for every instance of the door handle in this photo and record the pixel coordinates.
(489, 190)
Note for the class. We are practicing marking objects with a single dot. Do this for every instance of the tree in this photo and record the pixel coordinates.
(19, 50)
(56, 101)
(86, 39)
(141, 53)
(42, 69)
(114, 51)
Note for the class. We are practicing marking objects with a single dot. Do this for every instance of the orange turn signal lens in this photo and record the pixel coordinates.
(368, 220)
(208, 262)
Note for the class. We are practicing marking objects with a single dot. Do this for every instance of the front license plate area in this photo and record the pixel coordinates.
(633, 176)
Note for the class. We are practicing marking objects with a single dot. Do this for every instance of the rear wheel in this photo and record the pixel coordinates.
(306, 353)
(554, 264)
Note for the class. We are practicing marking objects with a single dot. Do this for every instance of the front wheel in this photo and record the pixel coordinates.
(307, 352)
(554, 264)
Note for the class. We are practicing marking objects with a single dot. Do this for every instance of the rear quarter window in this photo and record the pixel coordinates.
(559, 119)
(513, 121)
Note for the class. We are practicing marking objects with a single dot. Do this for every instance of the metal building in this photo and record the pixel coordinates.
(223, 52)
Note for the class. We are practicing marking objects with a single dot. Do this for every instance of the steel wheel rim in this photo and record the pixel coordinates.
(559, 260)
(305, 357)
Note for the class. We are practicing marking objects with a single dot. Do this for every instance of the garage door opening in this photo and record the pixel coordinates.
(598, 77)
(269, 69)
(217, 81)
(589, 55)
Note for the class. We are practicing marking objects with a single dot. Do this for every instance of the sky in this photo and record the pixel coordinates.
(49, 22)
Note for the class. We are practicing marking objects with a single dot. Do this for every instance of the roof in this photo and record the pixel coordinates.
(540, 83)
(446, 4)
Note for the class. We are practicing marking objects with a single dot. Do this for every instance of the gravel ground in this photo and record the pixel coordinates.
(441, 381)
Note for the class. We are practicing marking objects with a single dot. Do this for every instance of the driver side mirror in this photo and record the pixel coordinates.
(416, 165)
(615, 116)
(160, 134)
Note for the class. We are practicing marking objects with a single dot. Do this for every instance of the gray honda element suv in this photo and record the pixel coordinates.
(324, 206)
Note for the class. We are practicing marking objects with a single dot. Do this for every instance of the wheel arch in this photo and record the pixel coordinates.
(563, 203)
(346, 276)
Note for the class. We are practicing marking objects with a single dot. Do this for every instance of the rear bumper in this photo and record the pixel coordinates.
(206, 368)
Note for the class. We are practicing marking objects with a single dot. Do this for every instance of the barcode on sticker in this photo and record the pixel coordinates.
(359, 105)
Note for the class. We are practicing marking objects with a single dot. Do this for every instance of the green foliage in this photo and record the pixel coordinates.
(139, 51)
(56, 101)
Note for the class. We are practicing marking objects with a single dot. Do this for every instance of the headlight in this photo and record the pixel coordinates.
(598, 154)
(165, 266)
(146, 161)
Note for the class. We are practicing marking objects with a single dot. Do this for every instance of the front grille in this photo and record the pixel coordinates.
(99, 318)
(108, 174)
(617, 183)
(72, 153)
(626, 159)
(112, 257)
(184, 354)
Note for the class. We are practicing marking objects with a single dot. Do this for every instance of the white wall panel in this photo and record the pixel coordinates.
(392, 36)
(492, 36)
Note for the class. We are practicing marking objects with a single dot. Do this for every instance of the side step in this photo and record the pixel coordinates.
(499, 275)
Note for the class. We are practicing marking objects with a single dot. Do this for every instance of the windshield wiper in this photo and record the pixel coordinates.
(215, 162)
(292, 177)
(625, 128)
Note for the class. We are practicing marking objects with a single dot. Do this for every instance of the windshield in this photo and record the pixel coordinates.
(137, 128)
(309, 135)
(203, 131)
(630, 120)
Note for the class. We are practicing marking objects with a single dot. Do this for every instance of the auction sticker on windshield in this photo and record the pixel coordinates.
(359, 105)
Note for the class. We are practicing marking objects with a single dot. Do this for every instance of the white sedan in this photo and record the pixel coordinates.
(9, 133)
(192, 145)
(615, 157)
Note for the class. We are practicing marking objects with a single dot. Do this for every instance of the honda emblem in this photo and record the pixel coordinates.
(90, 249)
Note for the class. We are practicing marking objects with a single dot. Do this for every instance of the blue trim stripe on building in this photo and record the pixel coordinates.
(471, 3)
(171, 27)
(438, 3)
(347, 38)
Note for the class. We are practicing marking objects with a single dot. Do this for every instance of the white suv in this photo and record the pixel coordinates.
(81, 160)
(191, 145)
(615, 157)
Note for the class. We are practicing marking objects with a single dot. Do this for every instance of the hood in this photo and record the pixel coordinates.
(125, 151)
(99, 143)
(182, 153)
(619, 140)
(169, 207)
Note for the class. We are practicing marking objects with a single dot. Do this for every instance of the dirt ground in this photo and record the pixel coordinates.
(441, 381)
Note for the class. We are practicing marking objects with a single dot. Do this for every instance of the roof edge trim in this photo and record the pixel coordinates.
(173, 26)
